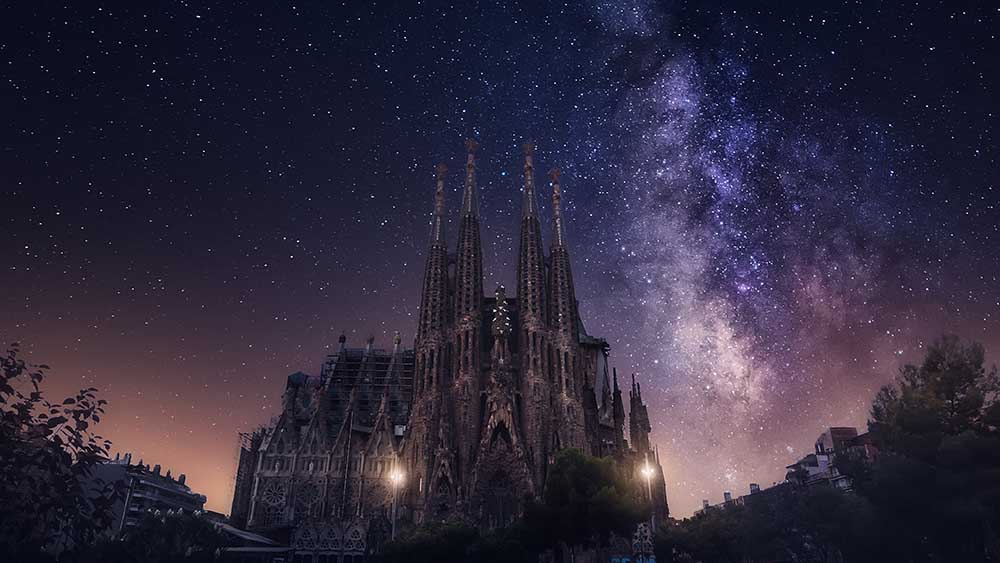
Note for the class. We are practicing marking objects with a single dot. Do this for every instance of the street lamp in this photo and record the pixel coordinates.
(648, 472)
(396, 478)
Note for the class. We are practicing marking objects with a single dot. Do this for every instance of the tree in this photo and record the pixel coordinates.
(586, 500)
(442, 542)
(937, 481)
(949, 393)
(161, 537)
(783, 524)
(47, 452)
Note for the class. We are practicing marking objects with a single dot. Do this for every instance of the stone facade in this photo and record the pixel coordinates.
(466, 423)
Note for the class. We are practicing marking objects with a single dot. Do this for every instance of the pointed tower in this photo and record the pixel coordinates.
(618, 413)
(563, 315)
(530, 258)
(638, 419)
(567, 385)
(434, 298)
(468, 343)
(469, 266)
(430, 423)
(531, 304)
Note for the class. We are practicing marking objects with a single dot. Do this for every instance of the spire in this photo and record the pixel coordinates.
(433, 299)
(468, 334)
(529, 208)
(559, 231)
(562, 295)
(531, 257)
(470, 199)
(437, 225)
(469, 263)
(533, 333)
(638, 419)
(618, 413)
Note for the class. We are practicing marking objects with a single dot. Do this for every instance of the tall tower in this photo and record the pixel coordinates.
(531, 304)
(638, 420)
(618, 413)
(567, 385)
(434, 297)
(468, 319)
(429, 450)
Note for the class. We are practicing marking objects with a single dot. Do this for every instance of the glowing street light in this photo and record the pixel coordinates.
(396, 478)
(642, 548)
(648, 472)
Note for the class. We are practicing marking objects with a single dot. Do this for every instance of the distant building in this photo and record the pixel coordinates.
(835, 438)
(820, 467)
(816, 469)
(756, 495)
(142, 488)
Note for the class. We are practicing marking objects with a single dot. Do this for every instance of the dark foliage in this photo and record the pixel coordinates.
(160, 537)
(47, 452)
(932, 494)
(585, 501)
(937, 482)
(455, 541)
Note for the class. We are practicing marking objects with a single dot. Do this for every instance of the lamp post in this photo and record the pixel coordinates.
(396, 478)
(648, 472)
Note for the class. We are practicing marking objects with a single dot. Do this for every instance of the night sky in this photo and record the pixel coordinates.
(769, 210)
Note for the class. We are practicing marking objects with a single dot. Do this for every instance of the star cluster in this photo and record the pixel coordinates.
(769, 210)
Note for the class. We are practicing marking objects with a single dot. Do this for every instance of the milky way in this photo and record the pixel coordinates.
(768, 211)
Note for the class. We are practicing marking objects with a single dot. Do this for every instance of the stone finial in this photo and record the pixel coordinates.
(441, 170)
(529, 148)
(554, 175)
(471, 145)
(396, 339)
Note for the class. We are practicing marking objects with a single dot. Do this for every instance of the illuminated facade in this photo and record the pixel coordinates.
(463, 425)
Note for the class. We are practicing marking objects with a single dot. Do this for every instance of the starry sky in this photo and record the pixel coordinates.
(768, 209)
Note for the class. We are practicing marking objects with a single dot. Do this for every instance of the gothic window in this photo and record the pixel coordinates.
(305, 538)
(329, 539)
(441, 503)
(307, 497)
(274, 494)
(273, 516)
(499, 501)
(355, 540)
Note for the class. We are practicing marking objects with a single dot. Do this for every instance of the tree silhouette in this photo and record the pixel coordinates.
(47, 451)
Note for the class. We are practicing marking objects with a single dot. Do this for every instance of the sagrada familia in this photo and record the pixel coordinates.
(464, 425)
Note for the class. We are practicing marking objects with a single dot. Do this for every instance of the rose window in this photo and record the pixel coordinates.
(274, 493)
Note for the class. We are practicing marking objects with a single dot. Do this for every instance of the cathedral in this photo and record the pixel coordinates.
(463, 425)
